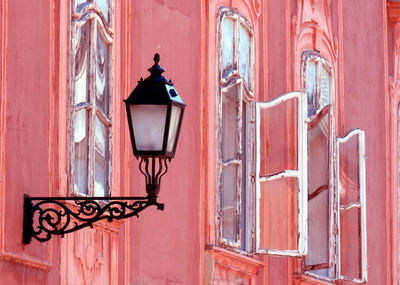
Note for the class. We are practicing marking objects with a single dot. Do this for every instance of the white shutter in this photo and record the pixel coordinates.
(351, 203)
(281, 175)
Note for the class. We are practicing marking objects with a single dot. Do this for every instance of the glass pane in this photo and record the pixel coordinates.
(100, 175)
(101, 158)
(278, 145)
(244, 54)
(325, 87)
(148, 126)
(230, 132)
(318, 232)
(173, 127)
(318, 195)
(350, 243)
(104, 8)
(82, 63)
(278, 214)
(101, 136)
(228, 27)
(311, 73)
(78, 2)
(318, 155)
(81, 151)
(102, 74)
(229, 196)
(349, 183)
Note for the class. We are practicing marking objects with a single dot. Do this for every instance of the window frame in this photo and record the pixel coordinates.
(334, 168)
(313, 56)
(234, 79)
(300, 174)
(80, 14)
(361, 204)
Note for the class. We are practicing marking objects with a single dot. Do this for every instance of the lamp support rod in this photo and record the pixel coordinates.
(56, 218)
(48, 216)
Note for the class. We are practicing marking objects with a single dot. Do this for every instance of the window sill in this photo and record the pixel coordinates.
(234, 261)
(310, 280)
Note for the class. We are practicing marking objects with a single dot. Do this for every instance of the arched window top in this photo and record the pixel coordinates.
(317, 81)
(235, 48)
(100, 10)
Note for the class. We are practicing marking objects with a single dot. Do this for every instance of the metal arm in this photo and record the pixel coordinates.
(48, 216)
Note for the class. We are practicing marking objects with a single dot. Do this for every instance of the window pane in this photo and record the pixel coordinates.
(244, 54)
(78, 2)
(173, 128)
(311, 72)
(81, 151)
(229, 211)
(318, 195)
(101, 159)
(350, 243)
(230, 132)
(104, 8)
(279, 199)
(102, 74)
(278, 146)
(82, 63)
(318, 232)
(349, 186)
(228, 26)
(325, 87)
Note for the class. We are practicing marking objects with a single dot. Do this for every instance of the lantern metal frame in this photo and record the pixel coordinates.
(156, 90)
(45, 217)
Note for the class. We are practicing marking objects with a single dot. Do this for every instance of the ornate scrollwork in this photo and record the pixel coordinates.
(50, 216)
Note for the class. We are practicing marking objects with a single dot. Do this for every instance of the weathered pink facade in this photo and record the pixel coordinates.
(360, 40)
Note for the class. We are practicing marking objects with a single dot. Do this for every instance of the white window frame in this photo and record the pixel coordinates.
(89, 12)
(361, 204)
(245, 93)
(321, 63)
(300, 174)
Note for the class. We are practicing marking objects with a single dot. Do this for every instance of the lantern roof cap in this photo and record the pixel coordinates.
(156, 72)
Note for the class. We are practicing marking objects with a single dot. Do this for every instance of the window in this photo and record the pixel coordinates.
(90, 97)
(234, 94)
(320, 132)
(310, 184)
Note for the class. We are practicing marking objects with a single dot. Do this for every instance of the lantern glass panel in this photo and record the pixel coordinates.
(148, 123)
(173, 127)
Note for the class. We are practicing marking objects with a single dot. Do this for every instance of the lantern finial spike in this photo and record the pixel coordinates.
(156, 58)
(156, 71)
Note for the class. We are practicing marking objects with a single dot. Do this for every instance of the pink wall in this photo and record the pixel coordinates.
(173, 29)
(178, 246)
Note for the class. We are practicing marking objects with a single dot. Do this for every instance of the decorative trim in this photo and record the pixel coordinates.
(394, 17)
(234, 261)
(317, 25)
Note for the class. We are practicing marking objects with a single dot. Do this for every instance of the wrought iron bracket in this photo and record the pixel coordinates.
(45, 217)
(48, 216)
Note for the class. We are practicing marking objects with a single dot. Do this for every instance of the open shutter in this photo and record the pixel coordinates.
(280, 175)
(320, 186)
(351, 202)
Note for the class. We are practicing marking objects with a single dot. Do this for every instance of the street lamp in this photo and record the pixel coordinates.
(155, 113)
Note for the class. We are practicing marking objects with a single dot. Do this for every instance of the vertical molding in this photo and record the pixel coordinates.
(127, 143)
(3, 115)
(392, 99)
(339, 78)
(62, 89)
(264, 97)
(203, 135)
